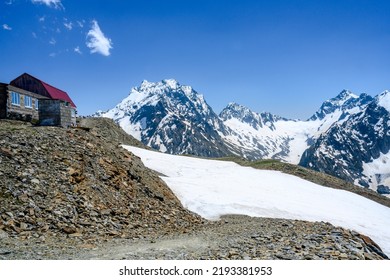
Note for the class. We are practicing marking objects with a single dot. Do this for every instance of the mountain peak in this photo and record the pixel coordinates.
(346, 100)
(236, 111)
(145, 82)
(172, 83)
(235, 106)
(345, 95)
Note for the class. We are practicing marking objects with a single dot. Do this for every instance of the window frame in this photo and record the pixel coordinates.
(36, 104)
(29, 103)
(15, 98)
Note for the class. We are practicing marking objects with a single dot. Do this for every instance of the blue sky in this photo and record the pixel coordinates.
(285, 57)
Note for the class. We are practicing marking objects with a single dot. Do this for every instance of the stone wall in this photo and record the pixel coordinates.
(56, 113)
(20, 111)
(50, 113)
(66, 114)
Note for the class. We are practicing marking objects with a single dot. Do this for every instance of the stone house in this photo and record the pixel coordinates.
(30, 99)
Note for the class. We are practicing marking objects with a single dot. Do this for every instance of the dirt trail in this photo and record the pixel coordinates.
(242, 237)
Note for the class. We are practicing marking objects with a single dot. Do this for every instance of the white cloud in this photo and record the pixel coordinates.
(52, 41)
(68, 25)
(50, 3)
(42, 19)
(7, 27)
(34, 35)
(97, 42)
(77, 50)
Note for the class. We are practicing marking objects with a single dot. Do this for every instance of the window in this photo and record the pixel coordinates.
(28, 102)
(15, 98)
(36, 104)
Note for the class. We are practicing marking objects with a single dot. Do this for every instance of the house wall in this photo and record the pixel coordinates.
(20, 111)
(56, 113)
(50, 112)
(73, 118)
(66, 114)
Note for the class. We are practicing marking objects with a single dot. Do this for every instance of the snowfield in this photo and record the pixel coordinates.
(213, 188)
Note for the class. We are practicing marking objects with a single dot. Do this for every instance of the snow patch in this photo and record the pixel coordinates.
(384, 100)
(378, 170)
(131, 129)
(213, 188)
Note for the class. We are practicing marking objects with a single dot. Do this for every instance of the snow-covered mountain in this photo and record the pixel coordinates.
(260, 135)
(268, 136)
(171, 118)
(357, 149)
(347, 137)
(343, 105)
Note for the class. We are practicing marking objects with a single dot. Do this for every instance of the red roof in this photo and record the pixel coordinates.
(56, 93)
(30, 83)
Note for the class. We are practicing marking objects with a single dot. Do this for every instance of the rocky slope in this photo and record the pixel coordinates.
(73, 183)
(109, 131)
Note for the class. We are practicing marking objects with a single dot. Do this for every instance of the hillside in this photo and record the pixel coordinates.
(71, 183)
(107, 130)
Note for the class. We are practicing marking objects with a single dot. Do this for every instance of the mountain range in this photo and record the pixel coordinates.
(347, 137)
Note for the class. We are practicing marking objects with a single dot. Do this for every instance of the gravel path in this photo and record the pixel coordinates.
(233, 237)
